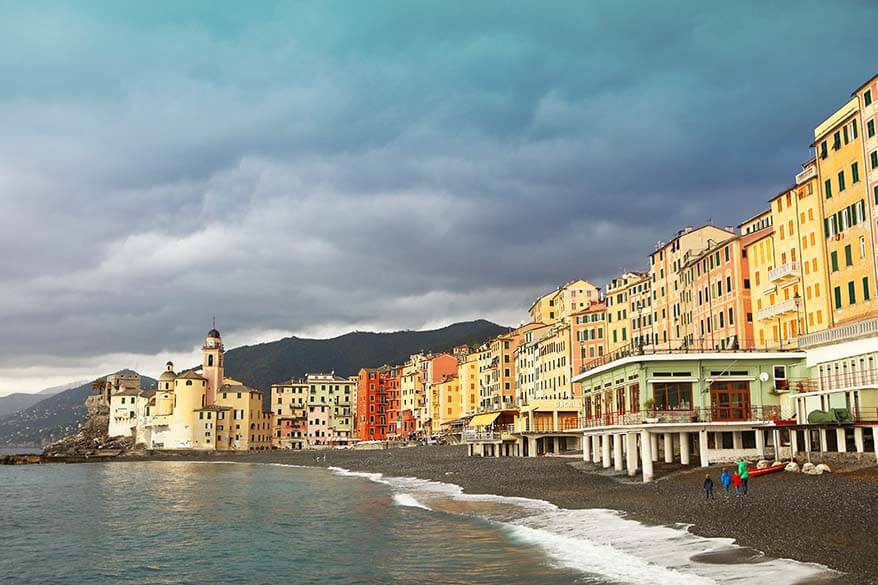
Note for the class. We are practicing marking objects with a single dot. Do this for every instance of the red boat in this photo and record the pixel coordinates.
(765, 470)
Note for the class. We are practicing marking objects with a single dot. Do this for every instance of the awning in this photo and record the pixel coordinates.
(483, 420)
(524, 409)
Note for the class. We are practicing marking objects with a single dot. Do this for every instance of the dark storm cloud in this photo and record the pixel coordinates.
(295, 166)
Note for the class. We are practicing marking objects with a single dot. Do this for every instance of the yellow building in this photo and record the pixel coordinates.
(445, 402)
(468, 378)
(629, 314)
(563, 301)
(500, 373)
(666, 281)
(553, 353)
(527, 365)
(841, 168)
(867, 98)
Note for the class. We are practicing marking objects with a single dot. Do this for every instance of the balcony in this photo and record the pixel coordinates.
(692, 415)
(806, 175)
(784, 272)
(777, 309)
(850, 332)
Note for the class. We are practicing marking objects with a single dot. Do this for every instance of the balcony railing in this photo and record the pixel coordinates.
(787, 271)
(808, 173)
(777, 309)
(832, 381)
(693, 415)
(842, 333)
(688, 346)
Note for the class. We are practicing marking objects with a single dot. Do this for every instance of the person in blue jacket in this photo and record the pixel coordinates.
(708, 487)
(725, 479)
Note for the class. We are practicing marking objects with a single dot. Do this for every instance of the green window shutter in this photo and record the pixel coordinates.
(854, 129)
(836, 141)
(870, 128)
(866, 294)
(876, 194)
(855, 173)
(841, 184)
(823, 149)
(826, 219)
(848, 256)
(874, 159)
(834, 257)
(867, 97)
(837, 292)
(845, 132)
(852, 293)
(827, 187)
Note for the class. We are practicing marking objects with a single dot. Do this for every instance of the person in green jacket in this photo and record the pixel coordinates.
(744, 474)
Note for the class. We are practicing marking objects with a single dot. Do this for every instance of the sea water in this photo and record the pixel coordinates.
(183, 522)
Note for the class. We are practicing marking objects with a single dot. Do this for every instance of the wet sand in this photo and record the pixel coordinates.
(830, 519)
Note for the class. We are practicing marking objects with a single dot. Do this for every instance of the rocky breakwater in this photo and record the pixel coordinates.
(92, 440)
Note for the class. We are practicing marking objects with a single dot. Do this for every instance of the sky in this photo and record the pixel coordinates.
(311, 168)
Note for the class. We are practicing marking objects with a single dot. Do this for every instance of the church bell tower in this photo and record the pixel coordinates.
(212, 364)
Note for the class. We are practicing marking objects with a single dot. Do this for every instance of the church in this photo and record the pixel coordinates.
(197, 409)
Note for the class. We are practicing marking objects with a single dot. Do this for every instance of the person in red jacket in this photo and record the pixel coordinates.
(736, 481)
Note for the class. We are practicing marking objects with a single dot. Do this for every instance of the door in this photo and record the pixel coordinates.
(730, 401)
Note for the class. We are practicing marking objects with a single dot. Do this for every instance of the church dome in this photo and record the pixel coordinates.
(168, 376)
(213, 334)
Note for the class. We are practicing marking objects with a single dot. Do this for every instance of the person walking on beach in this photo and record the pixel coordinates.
(736, 481)
(744, 473)
(725, 479)
(708, 487)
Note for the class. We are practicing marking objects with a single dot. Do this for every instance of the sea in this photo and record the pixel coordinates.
(241, 523)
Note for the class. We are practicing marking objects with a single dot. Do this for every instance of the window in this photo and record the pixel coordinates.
(673, 395)
(866, 295)
(848, 256)
(823, 149)
(870, 128)
(834, 261)
(867, 97)
(855, 173)
(837, 293)
(836, 141)
(827, 188)
(874, 158)
(841, 184)
(852, 293)
(862, 247)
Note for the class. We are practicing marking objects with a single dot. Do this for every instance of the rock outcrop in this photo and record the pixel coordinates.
(92, 439)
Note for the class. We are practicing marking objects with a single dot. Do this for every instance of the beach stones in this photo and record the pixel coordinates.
(762, 464)
(792, 467)
(811, 469)
(823, 468)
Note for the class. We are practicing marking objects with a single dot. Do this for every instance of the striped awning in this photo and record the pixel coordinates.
(483, 420)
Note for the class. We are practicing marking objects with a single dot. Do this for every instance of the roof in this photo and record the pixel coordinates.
(191, 375)
(237, 388)
(128, 392)
(213, 333)
(867, 82)
(213, 407)
(686, 232)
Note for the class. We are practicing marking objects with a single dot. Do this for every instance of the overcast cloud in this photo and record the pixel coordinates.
(316, 167)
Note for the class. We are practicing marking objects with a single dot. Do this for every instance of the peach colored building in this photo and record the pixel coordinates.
(588, 333)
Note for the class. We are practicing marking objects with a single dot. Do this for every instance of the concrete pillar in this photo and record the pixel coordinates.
(684, 448)
(631, 440)
(760, 442)
(595, 448)
(653, 446)
(555, 421)
(775, 440)
(794, 443)
(840, 440)
(605, 450)
(586, 448)
(669, 447)
(498, 450)
(737, 440)
(646, 455)
(531, 447)
(617, 452)
(824, 444)
(702, 448)
(858, 439)
(875, 440)
(556, 445)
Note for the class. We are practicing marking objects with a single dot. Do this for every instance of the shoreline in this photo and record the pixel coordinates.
(829, 520)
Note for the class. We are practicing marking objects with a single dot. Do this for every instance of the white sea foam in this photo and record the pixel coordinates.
(604, 542)
(408, 501)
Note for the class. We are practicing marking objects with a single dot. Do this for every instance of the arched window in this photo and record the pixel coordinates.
(188, 382)
(210, 360)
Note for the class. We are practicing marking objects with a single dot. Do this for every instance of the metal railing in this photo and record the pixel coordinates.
(831, 381)
(784, 271)
(708, 343)
(780, 308)
(693, 415)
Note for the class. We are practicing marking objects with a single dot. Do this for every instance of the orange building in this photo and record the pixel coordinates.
(588, 332)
